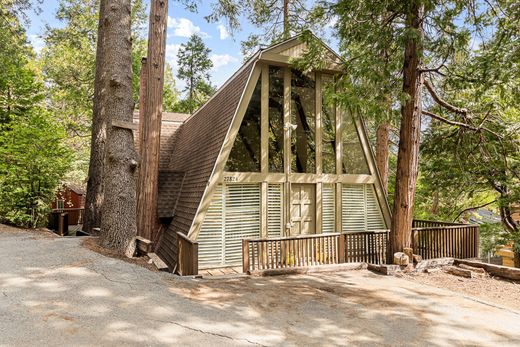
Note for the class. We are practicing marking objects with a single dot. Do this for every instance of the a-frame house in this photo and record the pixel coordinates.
(267, 156)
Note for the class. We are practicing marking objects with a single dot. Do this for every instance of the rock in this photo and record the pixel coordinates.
(472, 268)
(401, 258)
(433, 263)
(433, 270)
(417, 258)
(457, 271)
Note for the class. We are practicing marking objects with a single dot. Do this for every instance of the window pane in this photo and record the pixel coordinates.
(328, 154)
(275, 119)
(354, 161)
(303, 109)
(245, 155)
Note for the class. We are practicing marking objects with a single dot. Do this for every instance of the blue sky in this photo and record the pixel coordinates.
(225, 50)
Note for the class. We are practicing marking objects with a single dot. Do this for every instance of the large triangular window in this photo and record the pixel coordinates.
(245, 154)
(354, 160)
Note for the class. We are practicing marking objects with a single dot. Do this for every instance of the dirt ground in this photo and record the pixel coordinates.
(56, 292)
(491, 289)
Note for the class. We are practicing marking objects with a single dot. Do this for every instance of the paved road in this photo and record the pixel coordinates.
(54, 292)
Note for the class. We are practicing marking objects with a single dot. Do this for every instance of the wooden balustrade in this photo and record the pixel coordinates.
(457, 241)
(188, 253)
(448, 240)
(292, 251)
(368, 247)
(420, 223)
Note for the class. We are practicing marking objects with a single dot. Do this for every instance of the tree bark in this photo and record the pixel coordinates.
(286, 30)
(382, 152)
(94, 198)
(409, 135)
(118, 220)
(147, 221)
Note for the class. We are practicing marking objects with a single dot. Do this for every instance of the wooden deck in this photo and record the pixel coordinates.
(221, 271)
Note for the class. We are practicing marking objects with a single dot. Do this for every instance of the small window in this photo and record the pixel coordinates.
(60, 204)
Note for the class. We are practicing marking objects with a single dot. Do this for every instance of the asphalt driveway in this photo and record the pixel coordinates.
(55, 292)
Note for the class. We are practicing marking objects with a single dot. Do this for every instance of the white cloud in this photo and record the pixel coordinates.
(171, 54)
(184, 27)
(224, 34)
(37, 43)
(220, 60)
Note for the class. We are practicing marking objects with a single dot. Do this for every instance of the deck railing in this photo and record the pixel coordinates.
(368, 247)
(420, 223)
(292, 251)
(457, 241)
(188, 253)
(440, 239)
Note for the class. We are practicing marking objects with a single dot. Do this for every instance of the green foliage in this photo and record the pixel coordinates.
(33, 159)
(194, 66)
(68, 65)
(491, 236)
(170, 94)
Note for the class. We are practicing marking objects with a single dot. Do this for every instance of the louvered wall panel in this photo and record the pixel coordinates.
(353, 208)
(328, 209)
(242, 218)
(360, 210)
(375, 219)
(211, 233)
(274, 210)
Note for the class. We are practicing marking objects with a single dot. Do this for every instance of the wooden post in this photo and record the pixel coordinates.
(143, 78)
(147, 221)
(341, 248)
(245, 256)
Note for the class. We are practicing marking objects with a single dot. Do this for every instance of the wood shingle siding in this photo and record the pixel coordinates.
(194, 152)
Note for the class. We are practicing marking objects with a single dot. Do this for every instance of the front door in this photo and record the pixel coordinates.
(303, 209)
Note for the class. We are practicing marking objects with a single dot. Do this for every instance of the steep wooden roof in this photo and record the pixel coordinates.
(194, 151)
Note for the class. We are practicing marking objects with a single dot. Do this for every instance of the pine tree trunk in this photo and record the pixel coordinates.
(147, 220)
(118, 220)
(382, 152)
(409, 135)
(94, 198)
(286, 31)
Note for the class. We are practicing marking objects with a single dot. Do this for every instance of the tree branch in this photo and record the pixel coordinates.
(473, 208)
(459, 124)
(443, 102)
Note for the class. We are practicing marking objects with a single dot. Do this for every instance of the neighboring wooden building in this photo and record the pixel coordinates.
(266, 156)
(70, 198)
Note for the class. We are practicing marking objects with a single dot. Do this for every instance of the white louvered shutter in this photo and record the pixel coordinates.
(242, 218)
(328, 208)
(274, 210)
(375, 219)
(353, 208)
(211, 233)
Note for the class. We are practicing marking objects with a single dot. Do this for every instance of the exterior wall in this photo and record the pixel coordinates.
(343, 202)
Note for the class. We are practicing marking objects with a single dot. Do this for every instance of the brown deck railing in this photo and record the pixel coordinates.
(420, 223)
(292, 251)
(457, 241)
(368, 247)
(443, 240)
(188, 253)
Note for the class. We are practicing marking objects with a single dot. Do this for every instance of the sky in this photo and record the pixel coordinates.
(225, 49)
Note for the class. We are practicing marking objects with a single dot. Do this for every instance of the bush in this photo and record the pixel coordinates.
(33, 158)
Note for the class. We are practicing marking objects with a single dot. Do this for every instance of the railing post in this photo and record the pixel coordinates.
(195, 258)
(341, 248)
(245, 256)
